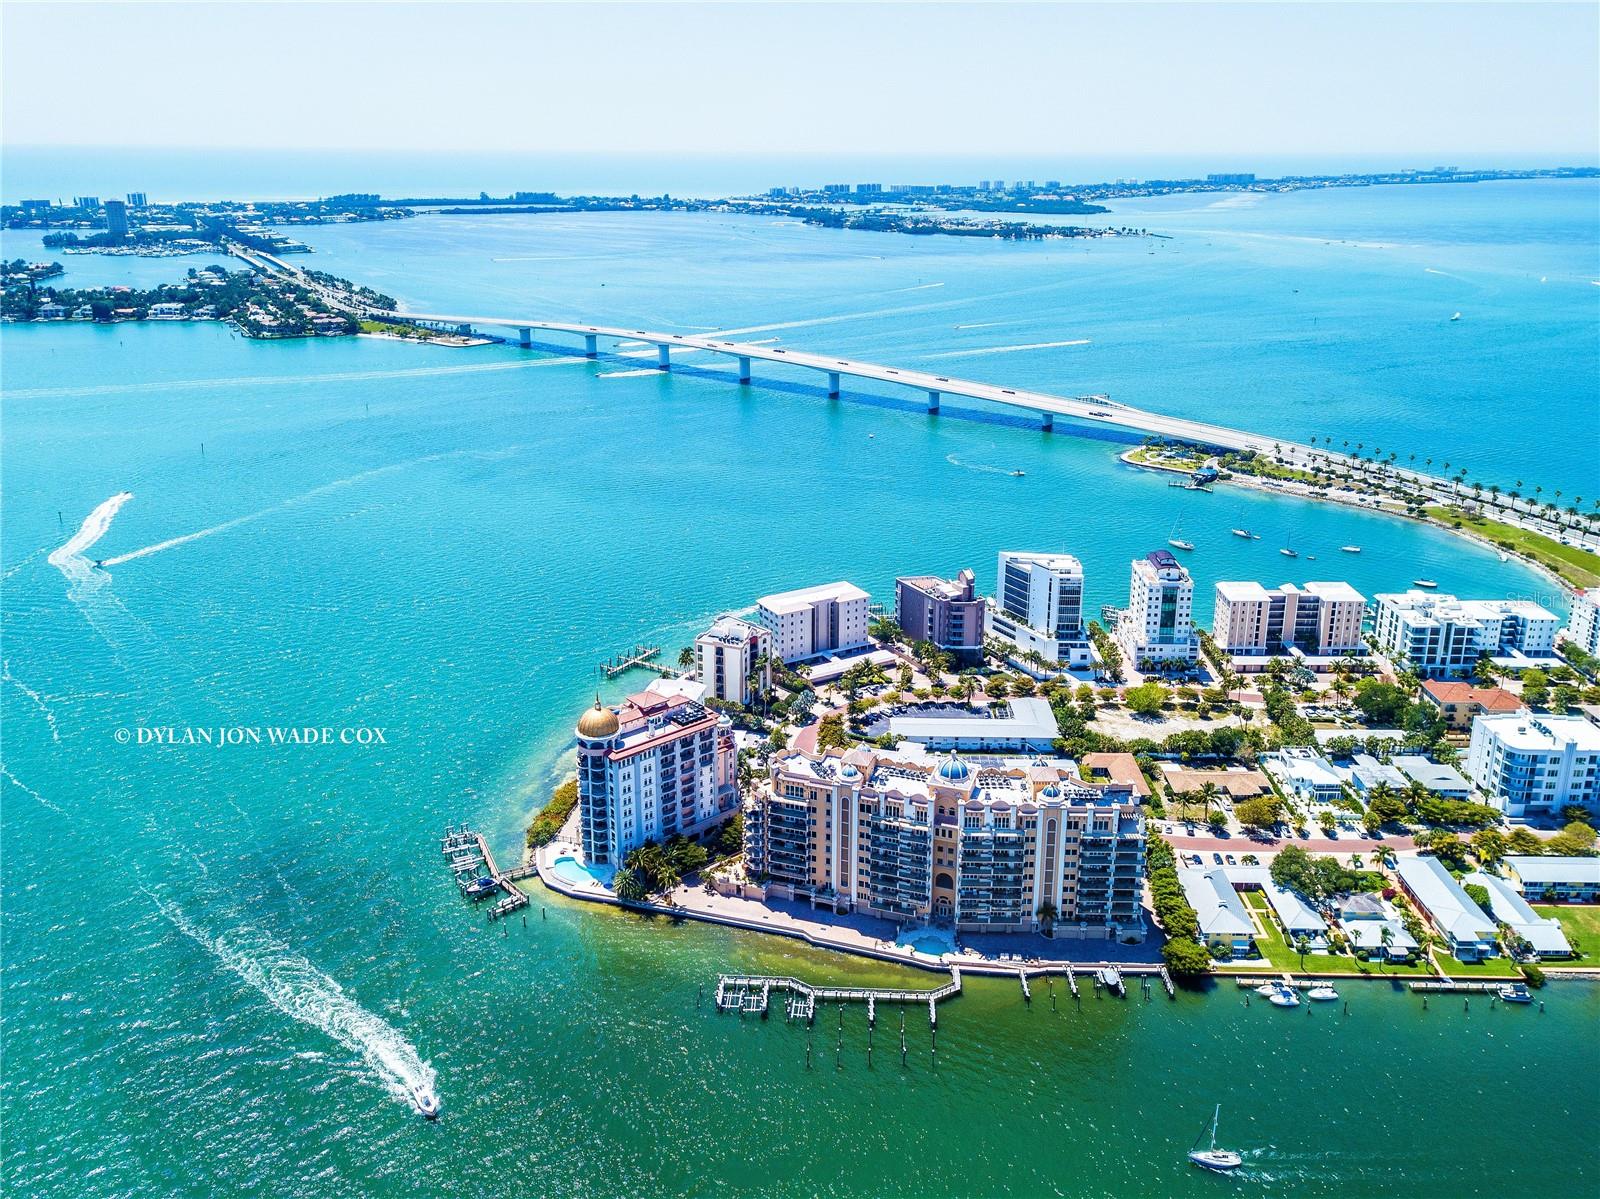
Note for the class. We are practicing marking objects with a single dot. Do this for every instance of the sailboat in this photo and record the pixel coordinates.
(1241, 531)
(1176, 542)
(1288, 551)
(1221, 1160)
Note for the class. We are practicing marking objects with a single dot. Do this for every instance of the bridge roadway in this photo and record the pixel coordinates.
(1096, 409)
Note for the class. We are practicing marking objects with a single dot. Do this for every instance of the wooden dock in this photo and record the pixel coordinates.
(752, 993)
(468, 850)
(639, 655)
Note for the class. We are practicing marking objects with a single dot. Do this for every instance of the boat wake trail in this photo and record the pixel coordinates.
(38, 701)
(299, 990)
(69, 559)
(976, 467)
(1037, 345)
(15, 781)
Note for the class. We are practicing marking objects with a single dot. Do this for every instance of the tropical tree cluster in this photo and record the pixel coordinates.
(1182, 952)
(654, 869)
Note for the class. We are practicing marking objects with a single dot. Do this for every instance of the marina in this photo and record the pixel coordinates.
(469, 853)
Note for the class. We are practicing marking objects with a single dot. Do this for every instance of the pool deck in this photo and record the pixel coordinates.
(865, 936)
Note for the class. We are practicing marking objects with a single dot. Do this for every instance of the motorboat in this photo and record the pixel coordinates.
(1283, 996)
(424, 1100)
(1322, 993)
(1428, 583)
(1350, 549)
(1017, 474)
(1212, 1158)
(1108, 976)
(1266, 989)
(1455, 316)
(479, 887)
(1515, 993)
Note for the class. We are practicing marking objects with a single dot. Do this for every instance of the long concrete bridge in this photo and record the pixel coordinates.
(1094, 408)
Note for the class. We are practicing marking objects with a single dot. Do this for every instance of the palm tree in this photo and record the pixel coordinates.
(1047, 916)
(1302, 944)
(686, 657)
(1385, 939)
(1209, 792)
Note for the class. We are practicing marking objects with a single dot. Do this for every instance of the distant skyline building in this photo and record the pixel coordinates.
(137, 200)
(947, 612)
(116, 218)
(1038, 606)
(87, 202)
(1158, 624)
(815, 621)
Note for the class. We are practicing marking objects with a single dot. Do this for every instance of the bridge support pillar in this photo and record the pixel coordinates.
(1049, 421)
(663, 358)
(833, 385)
(933, 401)
(591, 345)
(524, 336)
(744, 368)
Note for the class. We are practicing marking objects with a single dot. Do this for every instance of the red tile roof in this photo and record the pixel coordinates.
(1489, 699)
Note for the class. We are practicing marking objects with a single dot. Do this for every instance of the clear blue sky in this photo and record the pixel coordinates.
(1126, 80)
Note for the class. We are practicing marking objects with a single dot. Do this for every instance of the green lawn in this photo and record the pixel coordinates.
(1280, 955)
(1578, 566)
(1580, 922)
(1488, 968)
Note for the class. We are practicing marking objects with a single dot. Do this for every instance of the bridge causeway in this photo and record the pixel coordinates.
(1095, 409)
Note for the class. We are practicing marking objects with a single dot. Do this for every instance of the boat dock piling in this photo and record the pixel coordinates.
(753, 993)
(468, 850)
(639, 655)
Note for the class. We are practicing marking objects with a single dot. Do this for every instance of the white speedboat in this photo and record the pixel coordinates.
(425, 1101)
(1515, 993)
(1430, 584)
(1266, 989)
(1283, 996)
(1212, 1158)
(1350, 549)
(1455, 316)
(1323, 993)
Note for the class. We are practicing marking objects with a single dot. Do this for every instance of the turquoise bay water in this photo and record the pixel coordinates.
(223, 964)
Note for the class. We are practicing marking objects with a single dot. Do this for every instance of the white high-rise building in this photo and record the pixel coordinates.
(1038, 606)
(1434, 634)
(1583, 630)
(656, 766)
(1529, 764)
(1158, 625)
(727, 654)
(1319, 620)
(815, 621)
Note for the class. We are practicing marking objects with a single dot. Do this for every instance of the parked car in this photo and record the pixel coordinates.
(1230, 860)
(1216, 858)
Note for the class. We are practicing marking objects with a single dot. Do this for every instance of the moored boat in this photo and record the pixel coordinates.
(1350, 549)
(1323, 993)
(1429, 583)
(1515, 993)
(1283, 996)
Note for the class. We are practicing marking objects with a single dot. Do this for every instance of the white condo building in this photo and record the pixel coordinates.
(1158, 625)
(815, 621)
(1583, 630)
(1038, 606)
(1435, 634)
(727, 653)
(656, 766)
(1319, 620)
(1535, 765)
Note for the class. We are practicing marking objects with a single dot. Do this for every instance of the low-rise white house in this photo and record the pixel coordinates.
(1541, 932)
(1225, 925)
(1309, 775)
(1555, 879)
(1466, 928)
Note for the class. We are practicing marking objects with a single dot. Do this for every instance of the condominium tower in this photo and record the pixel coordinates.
(1038, 606)
(1004, 847)
(1158, 625)
(946, 612)
(1433, 634)
(656, 766)
(729, 654)
(815, 621)
(1319, 620)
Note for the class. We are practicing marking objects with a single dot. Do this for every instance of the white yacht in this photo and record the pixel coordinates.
(425, 1101)
(1212, 1158)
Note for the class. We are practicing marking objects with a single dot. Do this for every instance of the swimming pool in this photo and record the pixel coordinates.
(929, 943)
(573, 872)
